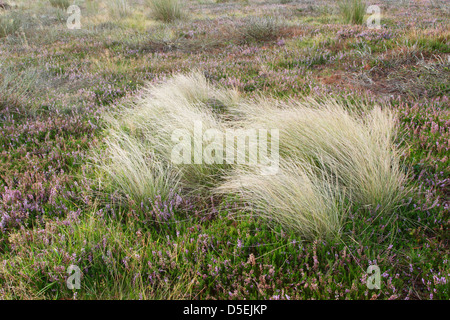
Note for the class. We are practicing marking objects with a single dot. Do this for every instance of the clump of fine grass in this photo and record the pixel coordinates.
(164, 114)
(4, 5)
(120, 8)
(440, 4)
(10, 23)
(103, 240)
(134, 170)
(332, 157)
(297, 197)
(260, 29)
(353, 11)
(62, 4)
(15, 86)
(357, 148)
(167, 10)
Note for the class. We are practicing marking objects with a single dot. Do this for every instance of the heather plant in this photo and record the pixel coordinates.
(441, 5)
(353, 11)
(167, 10)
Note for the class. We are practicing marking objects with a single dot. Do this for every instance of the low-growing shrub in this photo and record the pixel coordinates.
(96, 246)
(134, 170)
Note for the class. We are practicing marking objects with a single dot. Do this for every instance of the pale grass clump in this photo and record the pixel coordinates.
(353, 11)
(119, 8)
(128, 166)
(10, 23)
(356, 146)
(299, 197)
(176, 105)
(62, 4)
(441, 4)
(167, 10)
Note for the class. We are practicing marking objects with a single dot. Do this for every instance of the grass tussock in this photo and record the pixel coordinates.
(353, 11)
(120, 8)
(123, 273)
(297, 197)
(260, 29)
(62, 4)
(356, 147)
(148, 127)
(10, 23)
(167, 10)
(333, 157)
